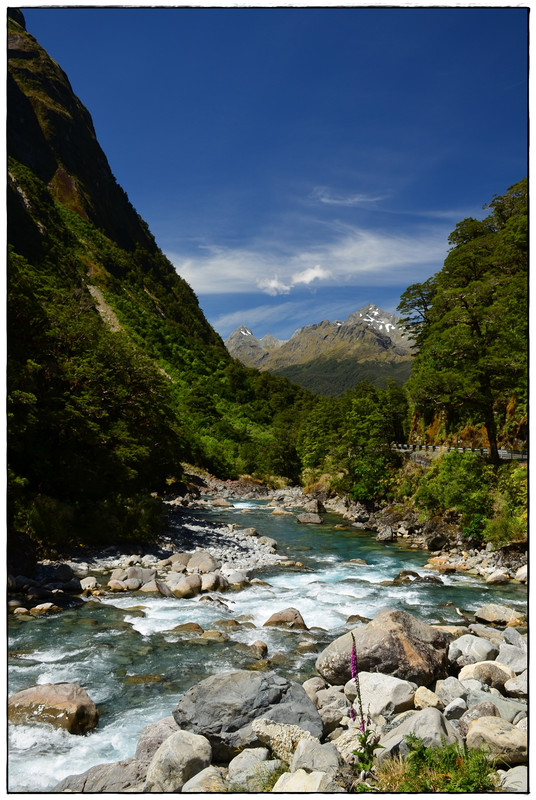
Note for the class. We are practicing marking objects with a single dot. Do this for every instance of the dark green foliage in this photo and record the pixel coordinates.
(491, 500)
(472, 337)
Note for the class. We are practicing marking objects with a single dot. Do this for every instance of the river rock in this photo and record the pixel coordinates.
(121, 776)
(64, 705)
(181, 756)
(141, 574)
(514, 780)
(499, 615)
(424, 698)
(312, 686)
(267, 541)
(116, 585)
(213, 582)
(500, 738)
(209, 779)
(281, 738)
(312, 756)
(288, 618)
(449, 689)
(513, 657)
(309, 519)
(223, 708)
(187, 586)
(202, 561)
(473, 646)
(510, 710)
(484, 709)
(455, 709)
(512, 636)
(429, 725)
(247, 759)
(490, 673)
(517, 686)
(152, 737)
(394, 643)
(301, 781)
(90, 582)
(384, 695)
(522, 574)
(385, 534)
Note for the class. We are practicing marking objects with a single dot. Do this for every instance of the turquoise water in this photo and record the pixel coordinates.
(124, 652)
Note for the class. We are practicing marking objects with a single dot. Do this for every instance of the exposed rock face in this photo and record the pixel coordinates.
(64, 705)
(223, 707)
(394, 643)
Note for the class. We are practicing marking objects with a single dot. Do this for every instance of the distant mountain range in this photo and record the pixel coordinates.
(330, 357)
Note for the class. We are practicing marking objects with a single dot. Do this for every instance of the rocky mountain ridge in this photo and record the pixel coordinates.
(330, 357)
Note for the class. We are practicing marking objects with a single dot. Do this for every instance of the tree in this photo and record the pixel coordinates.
(472, 340)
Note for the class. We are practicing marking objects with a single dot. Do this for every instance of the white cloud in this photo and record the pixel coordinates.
(327, 197)
(355, 257)
(307, 276)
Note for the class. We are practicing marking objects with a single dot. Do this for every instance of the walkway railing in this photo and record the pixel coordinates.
(504, 455)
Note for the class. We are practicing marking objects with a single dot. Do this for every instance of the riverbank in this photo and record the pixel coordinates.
(137, 652)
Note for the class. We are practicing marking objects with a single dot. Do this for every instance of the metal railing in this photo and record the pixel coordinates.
(504, 455)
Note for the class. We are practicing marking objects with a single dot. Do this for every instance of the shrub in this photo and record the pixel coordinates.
(451, 768)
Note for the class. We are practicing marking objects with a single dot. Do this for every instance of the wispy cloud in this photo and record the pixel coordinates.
(355, 257)
(324, 195)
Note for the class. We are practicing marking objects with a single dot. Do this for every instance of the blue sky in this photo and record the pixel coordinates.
(296, 164)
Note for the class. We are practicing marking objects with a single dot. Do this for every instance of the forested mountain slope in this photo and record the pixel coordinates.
(114, 374)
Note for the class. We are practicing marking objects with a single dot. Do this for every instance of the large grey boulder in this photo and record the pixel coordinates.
(429, 725)
(394, 643)
(223, 708)
(121, 776)
(475, 647)
(181, 756)
(384, 695)
(513, 657)
(63, 705)
(500, 738)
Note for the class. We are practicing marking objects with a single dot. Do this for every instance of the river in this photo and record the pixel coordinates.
(123, 651)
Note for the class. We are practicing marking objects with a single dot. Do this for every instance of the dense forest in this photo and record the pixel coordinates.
(116, 379)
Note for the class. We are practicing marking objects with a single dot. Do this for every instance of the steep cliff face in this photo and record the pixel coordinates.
(51, 132)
